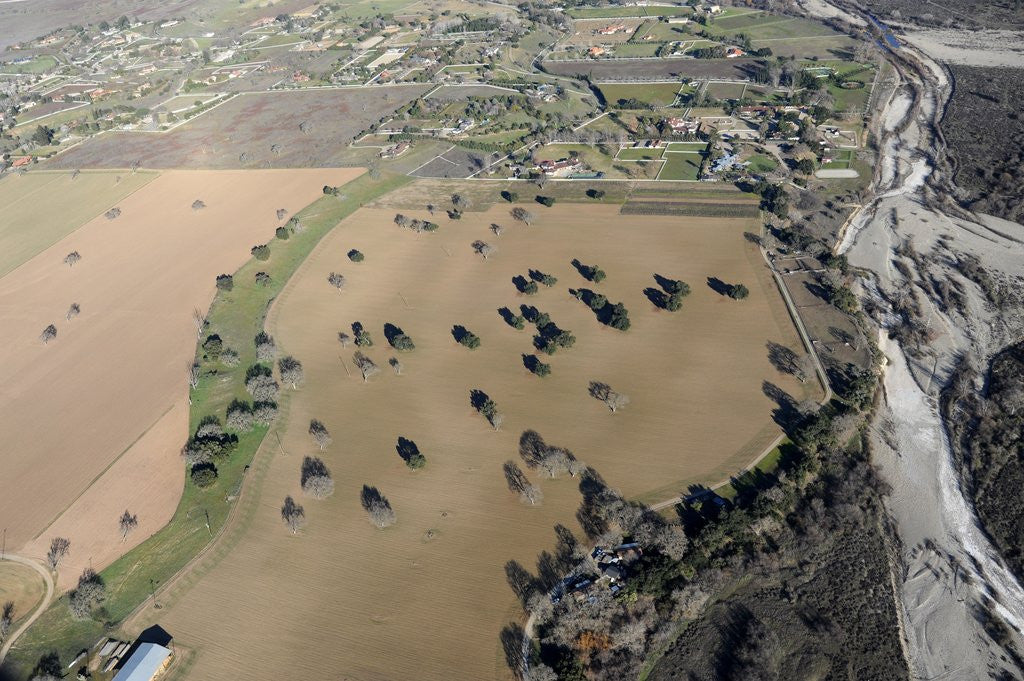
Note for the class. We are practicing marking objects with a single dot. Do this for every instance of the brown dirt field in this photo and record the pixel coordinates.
(93, 421)
(241, 132)
(345, 599)
(23, 586)
(586, 31)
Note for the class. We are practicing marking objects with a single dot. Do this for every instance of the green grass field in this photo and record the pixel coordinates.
(656, 94)
(681, 166)
(237, 316)
(40, 64)
(760, 163)
(639, 154)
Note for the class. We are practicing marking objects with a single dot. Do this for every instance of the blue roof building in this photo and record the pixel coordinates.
(148, 660)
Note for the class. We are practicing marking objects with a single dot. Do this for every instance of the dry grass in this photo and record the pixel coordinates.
(22, 586)
(586, 32)
(427, 597)
(93, 421)
(69, 203)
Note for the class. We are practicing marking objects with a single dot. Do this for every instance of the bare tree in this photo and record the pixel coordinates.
(192, 372)
(59, 547)
(365, 365)
(377, 507)
(460, 202)
(519, 484)
(320, 435)
(266, 347)
(113, 213)
(291, 370)
(198, 204)
(316, 478)
(395, 365)
(72, 258)
(48, 334)
(804, 367)
(483, 249)
(604, 392)
(401, 220)
(281, 212)
(199, 320)
(344, 339)
(293, 515)
(6, 620)
(127, 524)
(336, 280)
(73, 311)
(497, 229)
(90, 592)
(260, 383)
(522, 215)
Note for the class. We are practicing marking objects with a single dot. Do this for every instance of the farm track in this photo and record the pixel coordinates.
(40, 609)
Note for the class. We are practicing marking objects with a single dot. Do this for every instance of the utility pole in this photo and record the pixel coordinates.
(208, 522)
(3, 546)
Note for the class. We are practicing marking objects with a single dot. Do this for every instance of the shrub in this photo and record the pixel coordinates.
(203, 475)
(213, 346)
(282, 233)
(546, 201)
(738, 292)
(403, 343)
(511, 197)
(263, 279)
(229, 358)
(225, 282)
(261, 252)
(355, 256)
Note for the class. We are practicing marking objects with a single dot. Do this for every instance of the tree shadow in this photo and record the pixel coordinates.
(391, 332)
(522, 284)
(719, 286)
(585, 271)
(531, 362)
(567, 548)
(817, 290)
(508, 316)
(549, 572)
(664, 282)
(407, 449)
(478, 398)
(529, 312)
(532, 448)
(752, 238)
(370, 497)
(656, 296)
(512, 638)
(523, 584)
(459, 331)
(786, 413)
(781, 357)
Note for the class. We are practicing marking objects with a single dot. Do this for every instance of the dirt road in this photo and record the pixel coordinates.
(43, 604)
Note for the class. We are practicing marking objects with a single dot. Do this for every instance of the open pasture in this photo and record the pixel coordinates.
(587, 31)
(655, 94)
(281, 129)
(341, 597)
(21, 585)
(70, 201)
(94, 420)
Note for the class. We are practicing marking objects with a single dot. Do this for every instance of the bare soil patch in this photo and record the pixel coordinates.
(345, 595)
(94, 420)
(286, 129)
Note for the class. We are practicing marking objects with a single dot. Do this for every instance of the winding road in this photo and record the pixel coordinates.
(43, 604)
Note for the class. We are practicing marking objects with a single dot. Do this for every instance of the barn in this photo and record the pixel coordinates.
(145, 664)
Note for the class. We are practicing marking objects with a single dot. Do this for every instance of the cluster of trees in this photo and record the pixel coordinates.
(260, 383)
(838, 293)
(610, 314)
(483, 403)
(362, 336)
(549, 337)
(670, 295)
(552, 460)
(415, 224)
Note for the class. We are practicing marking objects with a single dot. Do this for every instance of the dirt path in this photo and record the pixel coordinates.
(43, 604)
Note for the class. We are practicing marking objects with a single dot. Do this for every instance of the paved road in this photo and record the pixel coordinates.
(48, 578)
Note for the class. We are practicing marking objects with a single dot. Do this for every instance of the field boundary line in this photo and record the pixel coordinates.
(104, 472)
